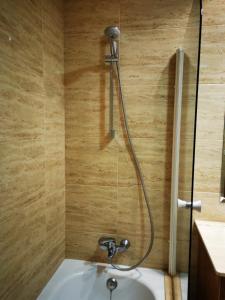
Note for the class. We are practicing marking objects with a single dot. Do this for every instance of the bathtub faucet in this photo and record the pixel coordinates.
(109, 244)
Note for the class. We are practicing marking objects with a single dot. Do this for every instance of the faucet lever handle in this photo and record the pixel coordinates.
(106, 242)
(109, 244)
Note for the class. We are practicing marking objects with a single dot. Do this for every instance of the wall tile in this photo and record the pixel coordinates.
(212, 55)
(89, 16)
(208, 166)
(211, 111)
(212, 209)
(213, 12)
(155, 160)
(152, 14)
(88, 113)
(92, 203)
(32, 159)
(97, 166)
(22, 212)
(133, 214)
(149, 111)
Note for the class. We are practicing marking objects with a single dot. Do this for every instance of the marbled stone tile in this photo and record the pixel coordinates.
(55, 229)
(55, 164)
(54, 118)
(22, 116)
(27, 17)
(212, 209)
(208, 166)
(90, 16)
(212, 55)
(22, 212)
(213, 13)
(86, 204)
(148, 56)
(53, 76)
(89, 162)
(21, 70)
(133, 213)
(155, 160)
(211, 106)
(22, 167)
(32, 210)
(80, 55)
(87, 113)
(150, 14)
(53, 69)
(149, 111)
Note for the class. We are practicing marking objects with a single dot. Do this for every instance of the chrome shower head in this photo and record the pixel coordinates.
(112, 32)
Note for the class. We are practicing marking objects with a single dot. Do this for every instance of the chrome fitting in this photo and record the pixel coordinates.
(109, 244)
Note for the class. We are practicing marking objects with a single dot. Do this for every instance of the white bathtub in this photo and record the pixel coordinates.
(82, 280)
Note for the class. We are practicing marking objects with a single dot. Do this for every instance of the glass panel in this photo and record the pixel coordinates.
(190, 84)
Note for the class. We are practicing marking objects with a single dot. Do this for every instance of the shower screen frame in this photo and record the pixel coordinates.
(194, 146)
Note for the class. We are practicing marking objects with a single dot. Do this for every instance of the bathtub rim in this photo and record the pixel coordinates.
(152, 279)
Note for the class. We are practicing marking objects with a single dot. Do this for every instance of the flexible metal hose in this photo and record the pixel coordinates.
(140, 175)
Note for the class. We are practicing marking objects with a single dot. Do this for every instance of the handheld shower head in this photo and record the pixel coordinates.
(112, 32)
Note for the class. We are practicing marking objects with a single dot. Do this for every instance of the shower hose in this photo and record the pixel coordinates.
(139, 174)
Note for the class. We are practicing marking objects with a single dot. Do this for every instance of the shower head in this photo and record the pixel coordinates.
(112, 32)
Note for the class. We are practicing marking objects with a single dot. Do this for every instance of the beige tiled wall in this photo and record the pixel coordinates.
(102, 192)
(32, 180)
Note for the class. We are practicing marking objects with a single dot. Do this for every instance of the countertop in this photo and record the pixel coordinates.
(213, 237)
